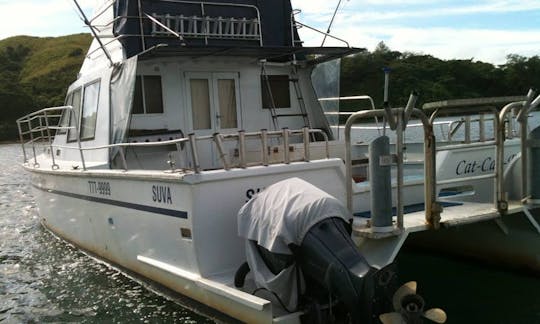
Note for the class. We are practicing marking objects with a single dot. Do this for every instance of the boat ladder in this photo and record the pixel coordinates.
(294, 79)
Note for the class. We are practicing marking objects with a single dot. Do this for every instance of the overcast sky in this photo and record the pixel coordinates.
(485, 30)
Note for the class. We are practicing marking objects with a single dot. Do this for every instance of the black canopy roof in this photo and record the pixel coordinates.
(313, 55)
(137, 31)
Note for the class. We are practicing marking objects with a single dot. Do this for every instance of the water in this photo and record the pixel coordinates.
(43, 279)
(471, 292)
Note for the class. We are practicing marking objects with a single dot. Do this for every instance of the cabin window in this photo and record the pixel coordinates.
(200, 103)
(148, 96)
(279, 87)
(227, 103)
(74, 116)
(89, 110)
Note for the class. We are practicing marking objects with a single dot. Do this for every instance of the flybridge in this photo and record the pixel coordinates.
(262, 29)
(141, 25)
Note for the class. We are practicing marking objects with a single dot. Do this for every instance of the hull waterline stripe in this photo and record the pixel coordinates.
(150, 209)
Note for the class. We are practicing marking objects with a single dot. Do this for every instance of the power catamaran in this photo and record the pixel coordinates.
(513, 239)
(193, 151)
(478, 139)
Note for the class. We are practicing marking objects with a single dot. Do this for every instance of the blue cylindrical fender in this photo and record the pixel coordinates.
(381, 186)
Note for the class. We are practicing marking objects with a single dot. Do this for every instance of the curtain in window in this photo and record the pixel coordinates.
(227, 103)
(200, 104)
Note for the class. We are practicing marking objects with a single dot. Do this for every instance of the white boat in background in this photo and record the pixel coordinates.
(466, 171)
(193, 126)
(513, 239)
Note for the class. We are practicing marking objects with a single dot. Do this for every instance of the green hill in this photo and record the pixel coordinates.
(433, 78)
(35, 73)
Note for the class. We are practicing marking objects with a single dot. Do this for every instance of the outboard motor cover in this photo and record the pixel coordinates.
(279, 217)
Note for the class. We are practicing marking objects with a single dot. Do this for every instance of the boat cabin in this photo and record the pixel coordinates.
(159, 72)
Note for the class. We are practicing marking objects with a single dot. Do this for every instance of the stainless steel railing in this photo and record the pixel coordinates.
(181, 27)
(218, 140)
(37, 128)
(523, 108)
(44, 129)
(195, 26)
(432, 209)
(474, 128)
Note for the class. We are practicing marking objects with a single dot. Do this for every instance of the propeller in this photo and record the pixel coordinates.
(409, 308)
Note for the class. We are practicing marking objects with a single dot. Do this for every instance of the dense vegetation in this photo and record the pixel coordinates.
(435, 79)
(35, 72)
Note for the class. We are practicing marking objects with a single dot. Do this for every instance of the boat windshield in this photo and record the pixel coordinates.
(325, 78)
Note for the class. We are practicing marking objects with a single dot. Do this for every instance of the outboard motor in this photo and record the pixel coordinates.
(330, 260)
(299, 248)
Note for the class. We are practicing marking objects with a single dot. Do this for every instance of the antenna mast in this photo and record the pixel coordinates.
(87, 23)
(331, 22)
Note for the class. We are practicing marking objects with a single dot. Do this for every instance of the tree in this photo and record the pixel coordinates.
(433, 78)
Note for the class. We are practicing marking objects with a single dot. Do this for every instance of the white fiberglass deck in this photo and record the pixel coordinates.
(459, 214)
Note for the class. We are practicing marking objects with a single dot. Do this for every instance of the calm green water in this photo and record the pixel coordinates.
(45, 280)
(470, 292)
(42, 279)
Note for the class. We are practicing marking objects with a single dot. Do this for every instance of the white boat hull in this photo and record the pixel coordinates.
(171, 229)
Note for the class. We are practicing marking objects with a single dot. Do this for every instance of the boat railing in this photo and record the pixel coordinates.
(474, 128)
(352, 98)
(467, 122)
(218, 140)
(442, 125)
(298, 25)
(195, 26)
(264, 137)
(498, 126)
(504, 127)
(207, 27)
(523, 109)
(39, 127)
(199, 25)
(398, 118)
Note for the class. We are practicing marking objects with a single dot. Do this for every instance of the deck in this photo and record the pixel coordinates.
(452, 215)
